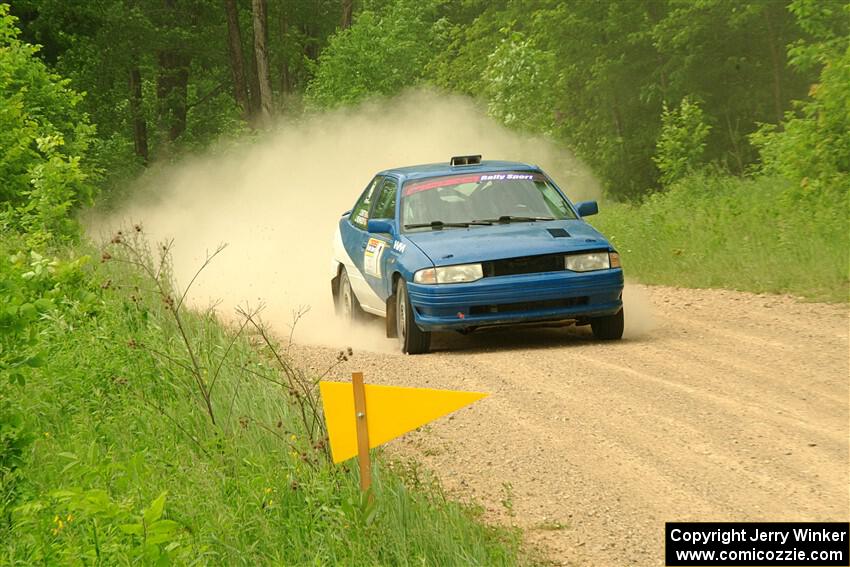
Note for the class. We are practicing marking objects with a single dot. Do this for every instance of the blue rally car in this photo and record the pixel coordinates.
(473, 244)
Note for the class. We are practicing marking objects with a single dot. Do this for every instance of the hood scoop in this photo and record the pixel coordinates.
(558, 232)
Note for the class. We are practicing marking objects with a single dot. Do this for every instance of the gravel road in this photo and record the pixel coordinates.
(718, 405)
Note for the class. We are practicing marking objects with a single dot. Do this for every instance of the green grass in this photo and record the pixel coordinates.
(111, 422)
(746, 234)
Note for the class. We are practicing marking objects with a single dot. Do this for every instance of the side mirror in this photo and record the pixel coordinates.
(587, 208)
(386, 226)
(346, 213)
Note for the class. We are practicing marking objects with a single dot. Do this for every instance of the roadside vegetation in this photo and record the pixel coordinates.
(134, 430)
(726, 232)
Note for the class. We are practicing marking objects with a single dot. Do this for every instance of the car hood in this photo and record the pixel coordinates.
(483, 243)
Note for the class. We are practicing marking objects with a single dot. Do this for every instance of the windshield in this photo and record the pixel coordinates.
(481, 198)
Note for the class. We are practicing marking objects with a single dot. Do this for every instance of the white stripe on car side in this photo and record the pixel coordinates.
(369, 300)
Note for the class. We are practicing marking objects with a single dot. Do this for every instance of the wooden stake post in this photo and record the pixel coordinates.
(395, 411)
(362, 431)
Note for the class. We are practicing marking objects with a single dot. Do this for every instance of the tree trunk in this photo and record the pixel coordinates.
(285, 77)
(347, 11)
(310, 29)
(172, 91)
(734, 139)
(253, 89)
(262, 58)
(656, 15)
(140, 126)
(172, 84)
(237, 58)
(777, 64)
(311, 44)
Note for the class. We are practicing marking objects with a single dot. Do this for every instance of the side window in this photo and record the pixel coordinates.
(385, 205)
(554, 201)
(360, 213)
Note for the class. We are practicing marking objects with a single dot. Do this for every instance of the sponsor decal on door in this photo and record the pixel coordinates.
(372, 257)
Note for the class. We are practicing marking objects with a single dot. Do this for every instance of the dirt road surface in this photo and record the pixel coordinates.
(733, 407)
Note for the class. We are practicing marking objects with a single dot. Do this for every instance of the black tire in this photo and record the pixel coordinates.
(347, 305)
(411, 338)
(609, 328)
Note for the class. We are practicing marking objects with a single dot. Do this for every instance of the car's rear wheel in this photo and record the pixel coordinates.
(346, 302)
(411, 338)
(608, 328)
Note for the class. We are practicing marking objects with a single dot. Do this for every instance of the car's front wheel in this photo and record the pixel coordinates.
(608, 328)
(411, 338)
(347, 305)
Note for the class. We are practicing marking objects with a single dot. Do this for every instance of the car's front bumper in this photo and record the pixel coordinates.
(506, 300)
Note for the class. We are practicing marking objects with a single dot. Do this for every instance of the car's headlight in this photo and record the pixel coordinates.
(587, 262)
(426, 276)
(449, 274)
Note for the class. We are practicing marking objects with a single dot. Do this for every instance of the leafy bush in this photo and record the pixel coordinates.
(33, 288)
(43, 142)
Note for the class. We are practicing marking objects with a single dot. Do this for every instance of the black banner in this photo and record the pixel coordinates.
(757, 543)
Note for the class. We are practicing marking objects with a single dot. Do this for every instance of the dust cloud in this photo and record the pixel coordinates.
(275, 202)
(637, 306)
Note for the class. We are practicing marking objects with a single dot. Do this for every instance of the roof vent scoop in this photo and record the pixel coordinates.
(466, 160)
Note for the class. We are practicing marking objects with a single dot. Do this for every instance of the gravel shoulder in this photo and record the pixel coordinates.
(718, 405)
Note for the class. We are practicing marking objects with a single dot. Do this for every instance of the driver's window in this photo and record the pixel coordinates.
(385, 206)
(555, 202)
(360, 213)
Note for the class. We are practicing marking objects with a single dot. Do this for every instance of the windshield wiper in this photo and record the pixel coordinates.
(437, 225)
(510, 218)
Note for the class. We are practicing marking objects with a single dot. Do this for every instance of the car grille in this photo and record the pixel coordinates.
(524, 265)
(528, 306)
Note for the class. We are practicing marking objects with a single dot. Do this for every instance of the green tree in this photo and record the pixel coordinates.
(469, 33)
(592, 62)
(812, 148)
(518, 85)
(681, 145)
(613, 65)
(730, 56)
(166, 76)
(160, 74)
(153, 71)
(383, 52)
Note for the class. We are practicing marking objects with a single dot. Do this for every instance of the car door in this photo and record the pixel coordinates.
(380, 255)
(355, 241)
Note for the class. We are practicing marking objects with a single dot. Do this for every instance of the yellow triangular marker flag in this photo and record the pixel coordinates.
(391, 411)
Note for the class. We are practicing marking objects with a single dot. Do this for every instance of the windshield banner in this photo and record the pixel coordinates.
(415, 187)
